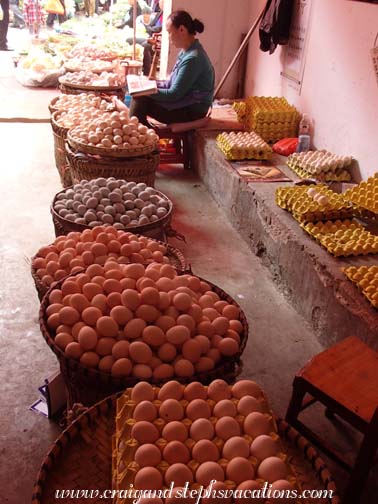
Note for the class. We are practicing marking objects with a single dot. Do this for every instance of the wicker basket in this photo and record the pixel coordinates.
(137, 169)
(114, 91)
(87, 386)
(81, 458)
(60, 135)
(175, 256)
(52, 107)
(63, 226)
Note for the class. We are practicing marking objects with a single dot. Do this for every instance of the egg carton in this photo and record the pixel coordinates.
(125, 468)
(318, 162)
(243, 145)
(365, 194)
(240, 108)
(304, 208)
(331, 176)
(366, 280)
(343, 238)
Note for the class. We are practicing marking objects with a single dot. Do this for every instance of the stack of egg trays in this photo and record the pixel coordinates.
(368, 284)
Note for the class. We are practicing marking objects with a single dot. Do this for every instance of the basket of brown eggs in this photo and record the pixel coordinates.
(117, 324)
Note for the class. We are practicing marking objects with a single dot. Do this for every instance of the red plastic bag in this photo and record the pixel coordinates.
(286, 146)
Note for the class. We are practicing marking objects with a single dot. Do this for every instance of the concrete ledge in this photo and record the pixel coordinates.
(310, 276)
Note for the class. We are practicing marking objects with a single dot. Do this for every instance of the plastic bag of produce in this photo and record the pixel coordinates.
(39, 70)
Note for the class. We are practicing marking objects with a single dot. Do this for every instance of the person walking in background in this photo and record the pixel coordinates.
(89, 7)
(4, 23)
(18, 17)
(33, 15)
(55, 8)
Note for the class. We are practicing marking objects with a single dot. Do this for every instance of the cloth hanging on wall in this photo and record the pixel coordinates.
(275, 24)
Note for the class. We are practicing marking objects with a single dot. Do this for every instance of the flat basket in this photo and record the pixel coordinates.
(87, 386)
(175, 256)
(60, 135)
(52, 107)
(113, 91)
(81, 458)
(84, 166)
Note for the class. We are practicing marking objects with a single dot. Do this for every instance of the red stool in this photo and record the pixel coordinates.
(344, 378)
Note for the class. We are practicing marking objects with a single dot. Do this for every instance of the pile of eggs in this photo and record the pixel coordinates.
(91, 51)
(145, 322)
(82, 100)
(196, 434)
(366, 278)
(243, 145)
(88, 78)
(316, 162)
(71, 253)
(322, 199)
(93, 65)
(113, 202)
(115, 130)
(88, 111)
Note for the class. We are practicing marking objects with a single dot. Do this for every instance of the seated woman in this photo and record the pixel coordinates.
(188, 93)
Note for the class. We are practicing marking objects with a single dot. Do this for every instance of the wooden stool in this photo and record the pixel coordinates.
(345, 379)
(181, 150)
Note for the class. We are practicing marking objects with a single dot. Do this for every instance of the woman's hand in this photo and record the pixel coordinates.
(119, 105)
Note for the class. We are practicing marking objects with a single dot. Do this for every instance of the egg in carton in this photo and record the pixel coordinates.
(365, 194)
(343, 238)
(196, 434)
(243, 145)
(366, 279)
(316, 162)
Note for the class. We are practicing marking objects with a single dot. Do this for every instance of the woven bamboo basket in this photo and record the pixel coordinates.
(175, 256)
(118, 91)
(63, 226)
(87, 386)
(60, 135)
(52, 107)
(137, 169)
(81, 458)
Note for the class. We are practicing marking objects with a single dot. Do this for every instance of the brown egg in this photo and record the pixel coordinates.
(87, 338)
(104, 346)
(195, 390)
(263, 446)
(240, 469)
(120, 349)
(198, 408)
(257, 423)
(227, 427)
(79, 302)
(142, 371)
(68, 315)
(221, 325)
(90, 290)
(282, 486)
(272, 469)
(209, 471)
(131, 299)
(235, 446)
(195, 311)
(150, 296)
(225, 407)
(180, 495)
(205, 451)
(206, 328)
(106, 363)
(236, 325)
(147, 455)
(249, 488)
(248, 404)
(171, 409)
(176, 452)
(187, 321)
(134, 271)
(179, 474)
(107, 326)
(201, 428)
(204, 342)
(153, 336)
(165, 284)
(164, 322)
(76, 329)
(211, 314)
(167, 352)
(216, 494)
(163, 372)
(55, 296)
(192, 350)
(172, 312)
(147, 312)
(228, 347)
(246, 387)
(182, 301)
(164, 301)
(171, 390)
(175, 431)
(204, 364)
(145, 410)
(142, 391)
(148, 478)
(183, 368)
(178, 334)
(89, 359)
(91, 315)
(73, 350)
(121, 315)
(218, 390)
(145, 432)
(214, 354)
(140, 352)
(134, 328)
(121, 367)
(63, 339)
(206, 302)
(53, 321)
(231, 312)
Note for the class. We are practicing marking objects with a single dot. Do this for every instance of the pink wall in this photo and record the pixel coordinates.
(339, 88)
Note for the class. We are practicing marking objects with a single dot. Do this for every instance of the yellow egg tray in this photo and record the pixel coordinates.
(124, 467)
(365, 194)
(366, 279)
(240, 108)
(331, 176)
(318, 162)
(295, 199)
(343, 238)
(252, 146)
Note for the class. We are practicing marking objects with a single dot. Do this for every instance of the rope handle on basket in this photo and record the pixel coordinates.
(172, 233)
(75, 411)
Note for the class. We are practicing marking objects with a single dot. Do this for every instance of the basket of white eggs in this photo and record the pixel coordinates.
(114, 134)
(125, 205)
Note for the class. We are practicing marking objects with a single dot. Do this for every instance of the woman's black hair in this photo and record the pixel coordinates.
(183, 18)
